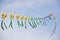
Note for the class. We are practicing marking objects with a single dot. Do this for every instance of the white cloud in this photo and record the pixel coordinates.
(18, 4)
(28, 4)
(43, 2)
(24, 5)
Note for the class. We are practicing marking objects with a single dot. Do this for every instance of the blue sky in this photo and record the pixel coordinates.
(38, 8)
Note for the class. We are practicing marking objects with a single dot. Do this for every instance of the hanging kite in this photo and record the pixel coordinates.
(11, 18)
(32, 21)
(4, 15)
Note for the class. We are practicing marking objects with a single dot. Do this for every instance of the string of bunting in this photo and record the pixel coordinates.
(32, 21)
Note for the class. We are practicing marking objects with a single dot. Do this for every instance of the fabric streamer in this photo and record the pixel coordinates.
(54, 20)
